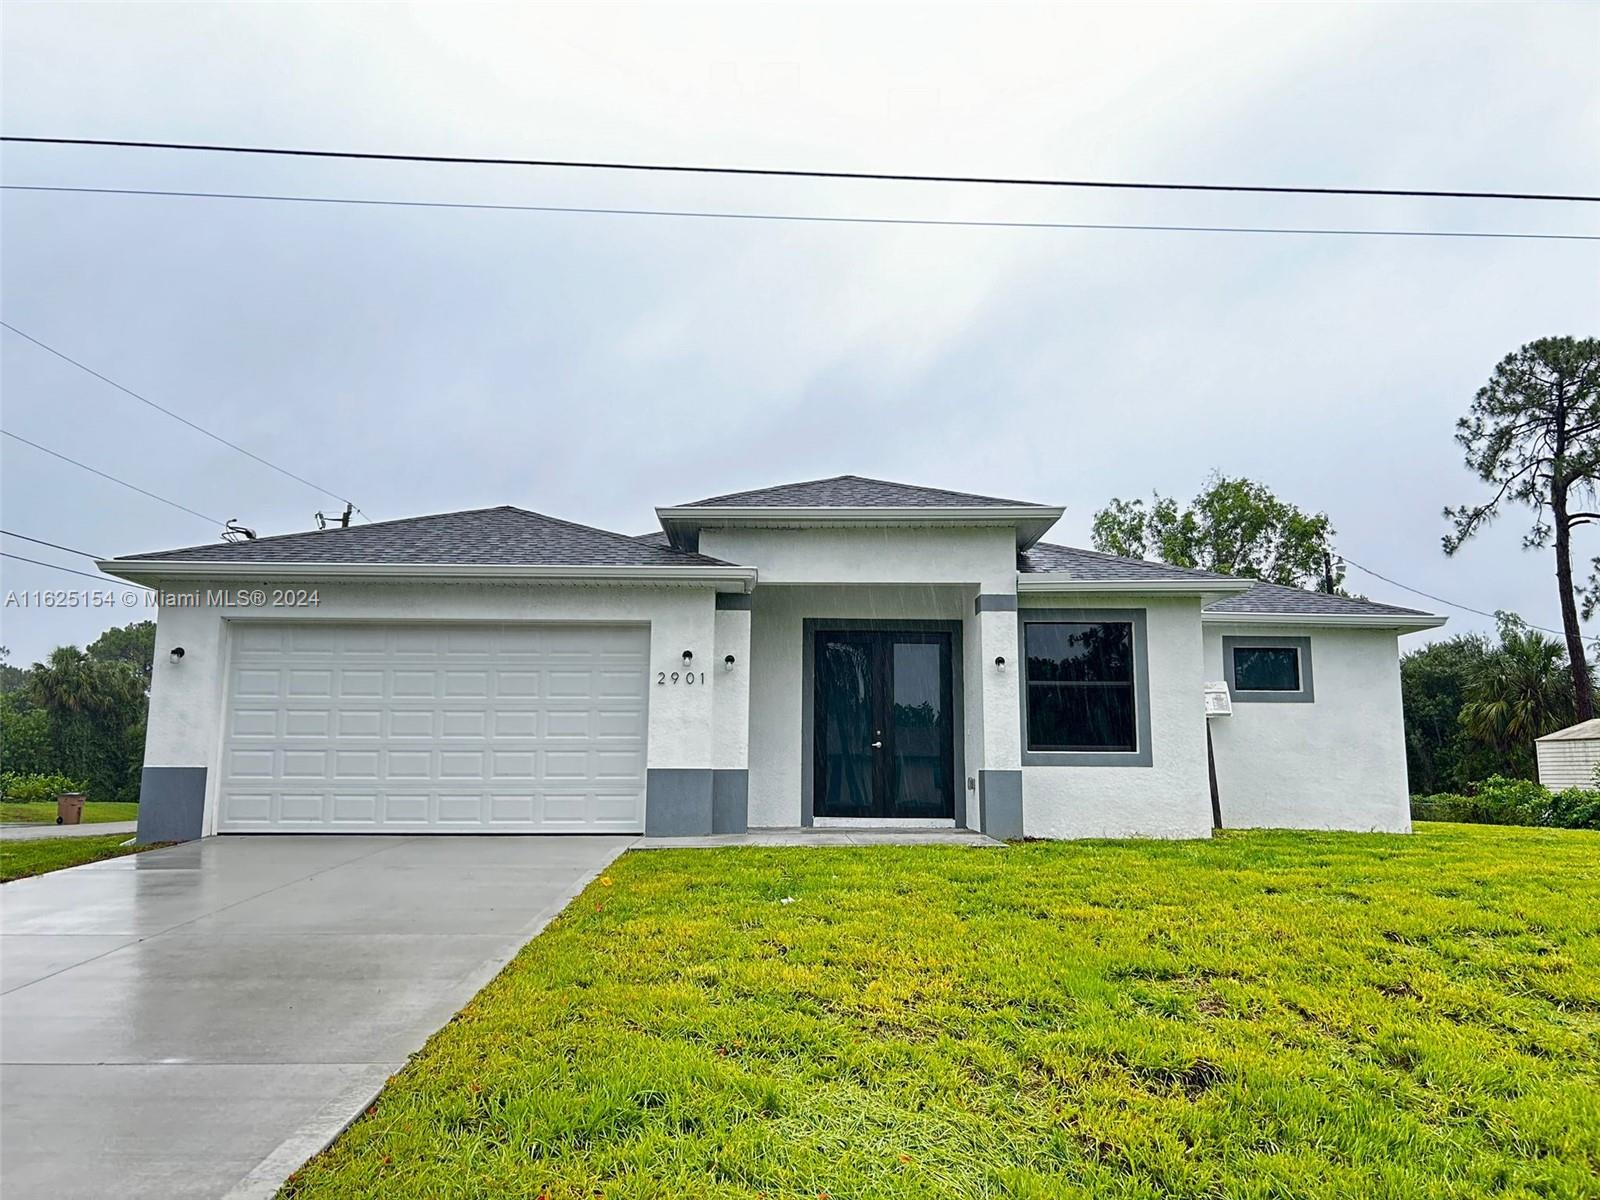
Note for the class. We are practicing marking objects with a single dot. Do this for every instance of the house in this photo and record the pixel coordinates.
(1568, 757)
(839, 651)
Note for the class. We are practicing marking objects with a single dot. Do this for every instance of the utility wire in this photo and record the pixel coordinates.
(112, 478)
(65, 357)
(790, 173)
(41, 563)
(52, 545)
(801, 217)
(1450, 603)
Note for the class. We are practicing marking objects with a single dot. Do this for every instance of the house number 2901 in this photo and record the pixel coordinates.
(684, 677)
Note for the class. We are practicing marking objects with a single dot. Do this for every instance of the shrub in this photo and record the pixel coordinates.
(28, 789)
(1501, 801)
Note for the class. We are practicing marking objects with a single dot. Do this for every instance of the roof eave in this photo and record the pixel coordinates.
(148, 570)
(1400, 621)
(1053, 581)
(1031, 521)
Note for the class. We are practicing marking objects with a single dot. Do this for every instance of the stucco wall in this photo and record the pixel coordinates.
(985, 558)
(1169, 798)
(1338, 762)
(186, 697)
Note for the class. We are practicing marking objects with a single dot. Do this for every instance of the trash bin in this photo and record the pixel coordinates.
(69, 808)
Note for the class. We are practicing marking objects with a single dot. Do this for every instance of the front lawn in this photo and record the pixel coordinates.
(20, 859)
(1263, 1015)
(44, 813)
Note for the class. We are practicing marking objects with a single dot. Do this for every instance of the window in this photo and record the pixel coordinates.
(1266, 668)
(1080, 686)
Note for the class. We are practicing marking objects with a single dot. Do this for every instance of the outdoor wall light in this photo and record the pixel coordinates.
(1000, 661)
(688, 656)
(727, 663)
(177, 654)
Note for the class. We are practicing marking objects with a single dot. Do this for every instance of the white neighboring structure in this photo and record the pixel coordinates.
(839, 652)
(1568, 757)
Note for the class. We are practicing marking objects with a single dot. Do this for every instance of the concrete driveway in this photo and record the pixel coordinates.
(196, 1021)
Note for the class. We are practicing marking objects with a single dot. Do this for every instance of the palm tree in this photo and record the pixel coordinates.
(1518, 693)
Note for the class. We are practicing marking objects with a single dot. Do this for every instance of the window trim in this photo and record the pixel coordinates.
(1301, 645)
(1141, 755)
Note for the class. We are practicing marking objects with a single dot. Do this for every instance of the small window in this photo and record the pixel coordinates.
(1266, 668)
(1079, 679)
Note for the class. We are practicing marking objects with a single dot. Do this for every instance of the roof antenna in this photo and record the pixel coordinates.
(343, 518)
(235, 532)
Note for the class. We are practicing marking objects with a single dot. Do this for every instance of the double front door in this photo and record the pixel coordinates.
(884, 736)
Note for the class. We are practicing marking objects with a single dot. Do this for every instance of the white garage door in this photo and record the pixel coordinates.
(474, 728)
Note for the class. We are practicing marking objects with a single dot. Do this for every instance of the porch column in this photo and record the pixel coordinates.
(999, 766)
(730, 738)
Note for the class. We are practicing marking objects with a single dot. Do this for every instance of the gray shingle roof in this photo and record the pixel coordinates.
(1275, 598)
(503, 536)
(854, 491)
(1092, 566)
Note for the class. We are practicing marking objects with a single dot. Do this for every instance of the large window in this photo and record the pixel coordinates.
(1080, 686)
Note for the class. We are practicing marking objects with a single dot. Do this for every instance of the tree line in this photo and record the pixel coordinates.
(80, 714)
(1474, 705)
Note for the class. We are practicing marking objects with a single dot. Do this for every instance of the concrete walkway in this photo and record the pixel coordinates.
(809, 836)
(197, 1021)
(28, 833)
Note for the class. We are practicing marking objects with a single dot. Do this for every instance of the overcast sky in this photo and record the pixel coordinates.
(592, 367)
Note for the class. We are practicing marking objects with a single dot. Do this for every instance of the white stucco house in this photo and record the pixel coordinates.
(839, 651)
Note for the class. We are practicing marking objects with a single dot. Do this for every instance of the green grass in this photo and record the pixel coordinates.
(94, 811)
(20, 859)
(1263, 1015)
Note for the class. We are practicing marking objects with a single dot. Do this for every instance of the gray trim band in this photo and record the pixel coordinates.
(730, 801)
(172, 804)
(1000, 804)
(809, 627)
(735, 601)
(1307, 693)
(1140, 757)
(995, 602)
(678, 802)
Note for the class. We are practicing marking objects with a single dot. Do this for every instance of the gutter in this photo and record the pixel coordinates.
(136, 570)
(1048, 581)
(1032, 521)
(1400, 621)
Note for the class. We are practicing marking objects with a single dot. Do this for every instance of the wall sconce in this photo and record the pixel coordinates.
(1000, 661)
(177, 654)
(688, 657)
(727, 663)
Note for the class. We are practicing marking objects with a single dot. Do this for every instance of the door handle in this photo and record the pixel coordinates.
(877, 745)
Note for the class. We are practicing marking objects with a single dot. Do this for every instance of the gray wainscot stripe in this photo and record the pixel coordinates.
(995, 602)
(730, 801)
(1000, 802)
(1142, 756)
(678, 802)
(735, 601)
(1307, 693)
(172, 804)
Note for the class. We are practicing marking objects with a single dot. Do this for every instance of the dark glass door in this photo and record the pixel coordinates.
(884, 741)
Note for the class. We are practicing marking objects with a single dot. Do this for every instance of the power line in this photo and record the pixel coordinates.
(65, 357)
(1441, 600)
(112, 478)
(24, 537)
(801, 217)
(41, 563)
(791, 173)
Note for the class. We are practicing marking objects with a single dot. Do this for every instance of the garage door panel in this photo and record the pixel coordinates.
(416, 727)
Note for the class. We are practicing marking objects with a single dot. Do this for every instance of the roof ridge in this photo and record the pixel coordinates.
(278, 537)
(1127, 558)
(870, 480)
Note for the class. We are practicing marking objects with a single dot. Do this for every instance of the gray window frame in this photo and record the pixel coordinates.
(1141, 755)
(1301, 645)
